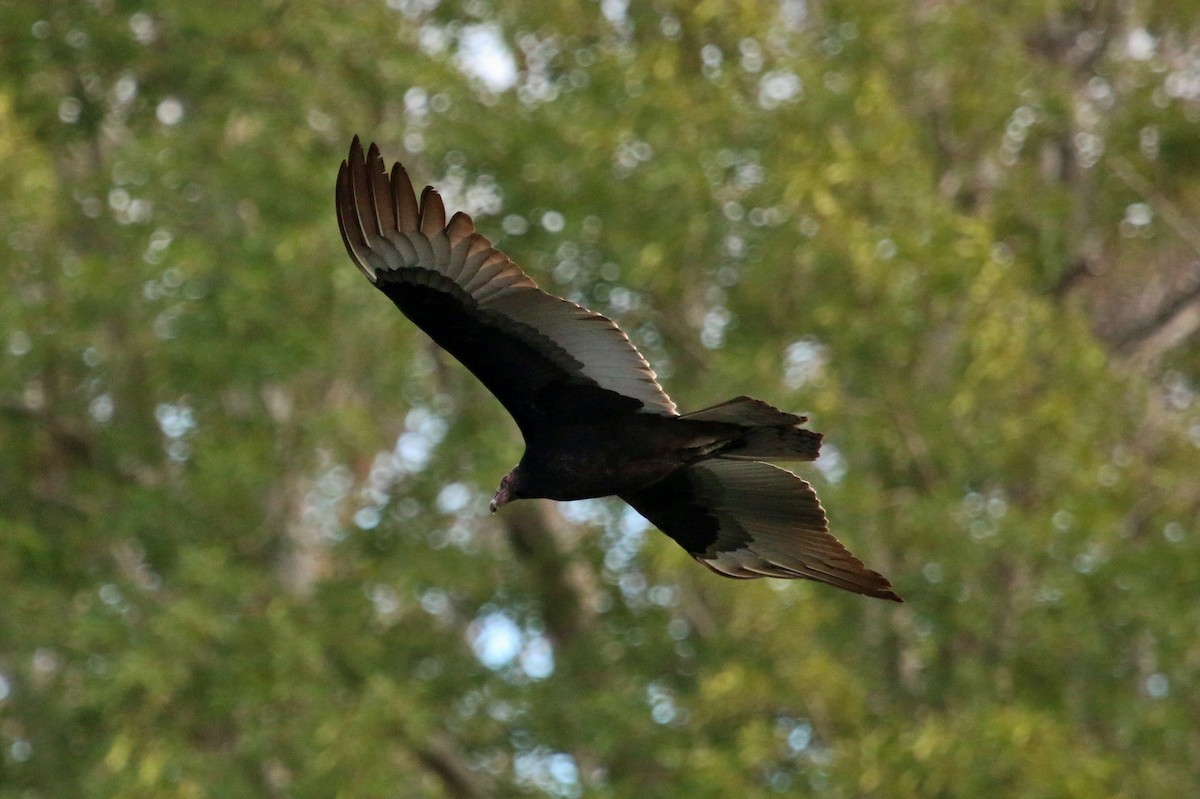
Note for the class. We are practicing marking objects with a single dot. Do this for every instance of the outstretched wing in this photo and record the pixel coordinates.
(749, 519)
(547, 360)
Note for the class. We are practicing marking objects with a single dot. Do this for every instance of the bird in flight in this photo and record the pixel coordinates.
(595, 420)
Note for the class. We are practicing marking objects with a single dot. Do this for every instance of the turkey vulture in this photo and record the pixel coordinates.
(594, 418)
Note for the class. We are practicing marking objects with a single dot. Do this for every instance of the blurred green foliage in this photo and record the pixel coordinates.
(244, 548)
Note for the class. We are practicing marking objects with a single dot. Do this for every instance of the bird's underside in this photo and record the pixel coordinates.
(594, 418)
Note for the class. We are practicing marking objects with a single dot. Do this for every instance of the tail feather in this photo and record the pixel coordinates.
(776, 443)
(747, 411)
(767, 432)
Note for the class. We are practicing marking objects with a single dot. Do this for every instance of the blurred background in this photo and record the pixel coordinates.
(244, 540)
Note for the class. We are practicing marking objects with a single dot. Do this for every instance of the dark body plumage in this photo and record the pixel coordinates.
(594, 418)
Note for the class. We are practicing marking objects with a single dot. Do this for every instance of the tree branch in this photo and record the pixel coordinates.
(441, 757)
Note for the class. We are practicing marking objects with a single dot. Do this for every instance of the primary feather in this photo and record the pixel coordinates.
(594, 418)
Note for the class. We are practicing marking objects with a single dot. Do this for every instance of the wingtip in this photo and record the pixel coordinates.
(433, 212)
(885, 592)
(868, 583)
(342, 177)
(375, 158)
(879, 586)
(349, 214)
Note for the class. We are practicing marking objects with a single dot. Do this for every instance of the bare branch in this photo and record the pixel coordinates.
(1170, 213)
(440, 756)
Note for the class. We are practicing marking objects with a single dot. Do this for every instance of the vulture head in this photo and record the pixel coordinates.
(507, 491)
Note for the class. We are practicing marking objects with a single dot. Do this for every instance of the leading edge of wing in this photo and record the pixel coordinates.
(399, 244)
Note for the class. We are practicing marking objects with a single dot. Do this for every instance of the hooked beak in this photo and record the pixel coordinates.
(504, 494)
